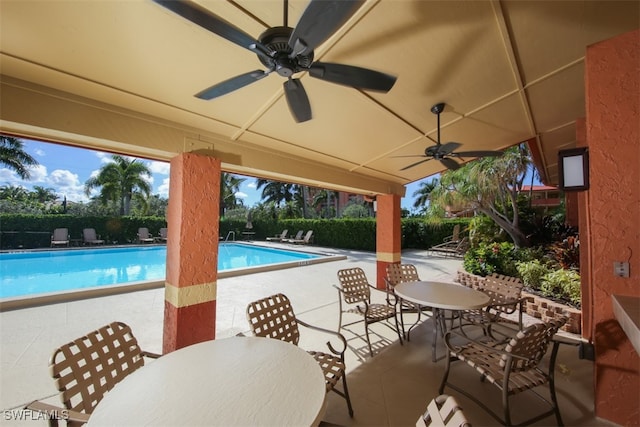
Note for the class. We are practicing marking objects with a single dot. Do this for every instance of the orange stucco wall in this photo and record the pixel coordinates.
(612, 70)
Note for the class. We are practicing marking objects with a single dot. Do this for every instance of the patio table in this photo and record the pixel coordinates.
(441, 296)
(232, 381)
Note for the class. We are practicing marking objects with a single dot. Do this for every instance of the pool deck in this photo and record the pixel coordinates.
(391, 389)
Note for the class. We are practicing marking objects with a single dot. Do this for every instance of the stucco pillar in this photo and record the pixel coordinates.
(612, 77)
(192, 251)
(388, 235)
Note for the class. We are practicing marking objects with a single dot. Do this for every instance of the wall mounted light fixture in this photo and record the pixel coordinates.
(573, 169)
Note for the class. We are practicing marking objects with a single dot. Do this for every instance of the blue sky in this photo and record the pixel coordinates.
(66, 169)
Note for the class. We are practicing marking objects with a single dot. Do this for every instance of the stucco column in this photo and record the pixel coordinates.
(192, 251)
(388, 235)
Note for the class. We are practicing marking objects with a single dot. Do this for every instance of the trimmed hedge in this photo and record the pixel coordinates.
(32, 231)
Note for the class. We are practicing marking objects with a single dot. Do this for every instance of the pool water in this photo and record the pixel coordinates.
(27, 273)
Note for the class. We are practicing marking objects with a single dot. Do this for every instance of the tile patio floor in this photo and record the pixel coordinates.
(391, 389)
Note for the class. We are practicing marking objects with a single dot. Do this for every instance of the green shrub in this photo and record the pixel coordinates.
(531, 273)
(562, 284)
(488, 258)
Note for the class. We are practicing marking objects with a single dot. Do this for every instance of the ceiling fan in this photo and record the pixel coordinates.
(446, 152)
(288, 51)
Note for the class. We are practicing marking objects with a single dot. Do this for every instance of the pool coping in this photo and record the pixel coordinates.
(18, 302)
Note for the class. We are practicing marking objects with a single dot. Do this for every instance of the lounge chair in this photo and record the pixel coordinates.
(60, 237)
(297, 237)
(89, 237)
(278, 238)
(456, 249)
(305, 240)
(144, 236)
(162, 234)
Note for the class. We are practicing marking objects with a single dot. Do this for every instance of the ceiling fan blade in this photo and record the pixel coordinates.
(450, 163)
(449, 147)
(232, 84)
(478, 153)
(415, 164)
(213, 23)
(297, 100)
(348, 75)
(319, 21)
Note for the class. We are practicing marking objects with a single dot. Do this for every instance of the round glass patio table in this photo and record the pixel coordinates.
(239, 381)
(441, 296)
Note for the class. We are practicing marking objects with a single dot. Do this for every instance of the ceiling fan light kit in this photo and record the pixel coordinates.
(288, 51)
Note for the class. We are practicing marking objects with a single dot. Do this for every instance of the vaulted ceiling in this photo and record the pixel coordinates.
(508, 71)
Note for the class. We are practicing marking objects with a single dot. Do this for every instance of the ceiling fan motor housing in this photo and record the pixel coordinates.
(276, 40)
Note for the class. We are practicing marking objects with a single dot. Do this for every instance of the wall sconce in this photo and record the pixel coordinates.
(573, 169)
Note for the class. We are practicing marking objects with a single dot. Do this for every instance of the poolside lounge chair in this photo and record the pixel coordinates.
(454, 249)
(297, 237)
(60, 237)
(89, 237)
(144, 236)
(305, 240)
(85, 369)
(280, 237)
(162, 234)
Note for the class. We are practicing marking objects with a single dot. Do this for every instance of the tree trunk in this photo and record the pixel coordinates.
(518, 237)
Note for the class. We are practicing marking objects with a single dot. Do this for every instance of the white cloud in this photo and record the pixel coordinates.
(38, 173)
(241, 195)
(163, 189)
(39, 152)
(252, 184)
(9, 177)
(161, 168)
(67, 184)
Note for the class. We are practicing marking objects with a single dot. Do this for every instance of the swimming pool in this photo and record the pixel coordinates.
(32, 273)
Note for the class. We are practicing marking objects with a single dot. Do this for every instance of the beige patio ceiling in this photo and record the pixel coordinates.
(121, 76)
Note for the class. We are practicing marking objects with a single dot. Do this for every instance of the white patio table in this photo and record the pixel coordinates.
(239, 381)
(441, 296)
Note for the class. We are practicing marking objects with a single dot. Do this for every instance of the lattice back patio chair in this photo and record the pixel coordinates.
(85, 369)
(505, 298)
(273, 317)
(355, 293)
(512, 368)
(443, 411)
(400, 273)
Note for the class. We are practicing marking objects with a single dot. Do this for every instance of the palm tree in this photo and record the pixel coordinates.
(276, 192)
(119, 180)
(422, 193)
(323, 200)
(13, 193)
(229, 186)
(43, 195)
(13, 156)
(489, 185)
